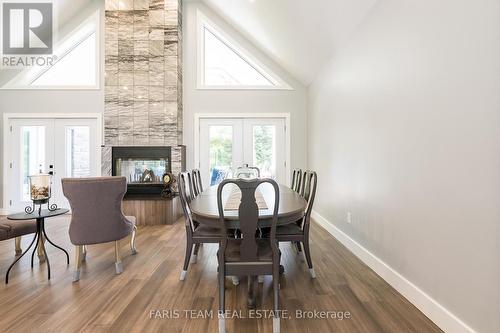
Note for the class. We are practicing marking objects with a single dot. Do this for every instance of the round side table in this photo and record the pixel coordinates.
(40, 233)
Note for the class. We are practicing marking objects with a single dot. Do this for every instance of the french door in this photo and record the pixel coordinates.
(227, 143)
(61, 147)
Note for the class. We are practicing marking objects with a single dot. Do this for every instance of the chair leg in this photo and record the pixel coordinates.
(276, 290)
(118, 258)
(132, 240)
(189, 248)
(84, 252)
(17, 241)
(307, 252)
(194, 258)
(222, 279)
(78, 262)
(235, 279)
(41, 249)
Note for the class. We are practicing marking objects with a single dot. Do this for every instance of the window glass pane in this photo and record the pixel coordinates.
(221, 152)
(32, 155)
(76, 68)
(264, 150)
(224, 67)
(77, 151)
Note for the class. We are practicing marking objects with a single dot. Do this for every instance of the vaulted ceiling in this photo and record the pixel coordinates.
(300, 35)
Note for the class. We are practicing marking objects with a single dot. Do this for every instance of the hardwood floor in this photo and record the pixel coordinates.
(104, 302)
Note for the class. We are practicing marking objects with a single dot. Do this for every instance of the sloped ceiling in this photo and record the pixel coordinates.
(301, 35)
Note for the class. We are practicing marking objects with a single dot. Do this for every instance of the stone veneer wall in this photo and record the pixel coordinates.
(143, 80)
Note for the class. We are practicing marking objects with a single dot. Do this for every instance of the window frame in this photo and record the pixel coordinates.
(29, 75)
(203, 22)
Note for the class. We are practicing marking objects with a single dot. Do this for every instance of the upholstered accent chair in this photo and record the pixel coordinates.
(97, 217)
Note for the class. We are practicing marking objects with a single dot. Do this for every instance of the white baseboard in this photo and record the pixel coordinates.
(3, 211)
(443, 318)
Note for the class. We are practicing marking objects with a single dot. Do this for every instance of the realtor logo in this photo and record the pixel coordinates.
(27, 27)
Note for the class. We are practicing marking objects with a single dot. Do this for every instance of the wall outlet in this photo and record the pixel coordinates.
(349, 217)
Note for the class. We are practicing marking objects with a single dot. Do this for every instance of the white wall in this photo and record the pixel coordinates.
(55, 101)
(404, 128)
(238, 101)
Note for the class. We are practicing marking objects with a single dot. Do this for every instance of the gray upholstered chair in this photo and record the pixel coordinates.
(97, 217)
(16, 229)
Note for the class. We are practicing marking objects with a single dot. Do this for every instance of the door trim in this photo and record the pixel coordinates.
(6, 133)
(199, 116)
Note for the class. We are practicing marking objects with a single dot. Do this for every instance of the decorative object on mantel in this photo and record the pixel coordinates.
(40, 192)
(168, 182)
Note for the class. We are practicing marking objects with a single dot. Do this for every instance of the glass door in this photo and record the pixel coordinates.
(62, 147)
(32, 150)
(76, 153)
(221, 148)
(227, 143)
(264, 146)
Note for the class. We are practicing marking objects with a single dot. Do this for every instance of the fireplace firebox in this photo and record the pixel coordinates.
(143, 167)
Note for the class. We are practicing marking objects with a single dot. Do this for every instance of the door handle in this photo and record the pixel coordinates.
(51, 173)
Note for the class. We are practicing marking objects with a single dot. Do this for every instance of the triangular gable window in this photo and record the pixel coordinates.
(75, 68)
(77, 65)
(224, 65)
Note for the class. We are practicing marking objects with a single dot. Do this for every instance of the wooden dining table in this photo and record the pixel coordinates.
(291, 207)
(204, 210)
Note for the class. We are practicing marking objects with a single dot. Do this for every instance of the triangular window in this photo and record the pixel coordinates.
(76, 64)
(225, 65)
(75, 68)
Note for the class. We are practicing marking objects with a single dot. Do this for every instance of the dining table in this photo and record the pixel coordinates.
(204, 210)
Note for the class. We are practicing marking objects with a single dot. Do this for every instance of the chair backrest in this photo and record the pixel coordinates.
(248, 215)
(184, 194)
(96, 205)
(296, 180)
(198, 187)
(310, 182)
(247, 172)
(190, 185)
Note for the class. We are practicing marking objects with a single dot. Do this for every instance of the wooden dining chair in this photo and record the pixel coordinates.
(299, 232)
(296, 180)
(247, 172)
(198, 186)
(248, 255)
(196, 233)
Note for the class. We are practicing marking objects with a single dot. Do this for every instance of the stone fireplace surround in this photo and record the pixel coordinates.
(143, 77)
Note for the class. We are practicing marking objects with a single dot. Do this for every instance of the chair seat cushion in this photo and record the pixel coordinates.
(11, 229)
(264, 251)
(206, 231)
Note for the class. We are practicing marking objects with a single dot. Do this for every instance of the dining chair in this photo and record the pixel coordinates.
(246, 171)
(97, 216)
(248, 255)
(296, 180)
(196, 233)
(198, 186)
(299, 232)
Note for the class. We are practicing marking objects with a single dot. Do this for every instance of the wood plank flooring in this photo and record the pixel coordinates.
(104, 302)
